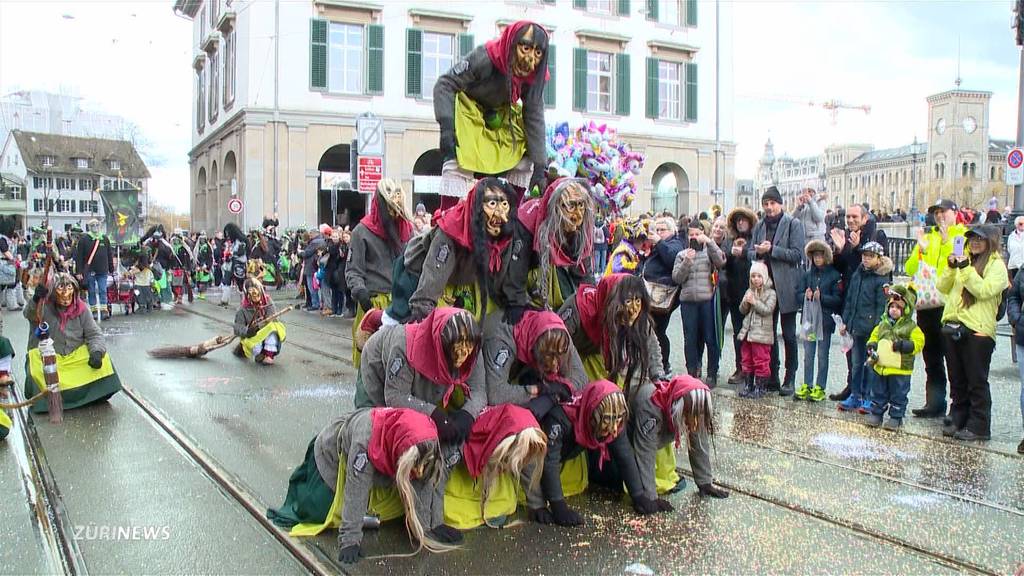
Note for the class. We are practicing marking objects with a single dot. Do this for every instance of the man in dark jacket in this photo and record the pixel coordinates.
(94, 262)
(778, 241)
(658, 268)
(1014, 304)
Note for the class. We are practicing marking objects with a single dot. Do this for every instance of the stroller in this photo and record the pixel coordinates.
(121, 291)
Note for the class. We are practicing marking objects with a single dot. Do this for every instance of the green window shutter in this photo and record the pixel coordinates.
(413, 62)
(691, 12)
(623, 7)
(652, 88)
(375, 59)
(579, 79)
(318, 54)
(622, 84)
(581, 4)
(691, 92)
(465, 45)
(652, 10)
(549, 88)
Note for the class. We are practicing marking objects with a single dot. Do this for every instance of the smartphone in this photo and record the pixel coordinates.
(695, 245)
(958, 246)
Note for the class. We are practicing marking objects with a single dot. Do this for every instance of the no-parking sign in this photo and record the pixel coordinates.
(1015, 167)
(235, 205)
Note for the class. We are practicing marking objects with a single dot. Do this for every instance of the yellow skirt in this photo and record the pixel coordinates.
(484, 149)
(273, 327)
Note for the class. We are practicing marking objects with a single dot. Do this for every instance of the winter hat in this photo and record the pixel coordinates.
(772, 193)
(874, 248)
(762, 269)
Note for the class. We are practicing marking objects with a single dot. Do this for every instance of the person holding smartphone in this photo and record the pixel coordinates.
(694, 271)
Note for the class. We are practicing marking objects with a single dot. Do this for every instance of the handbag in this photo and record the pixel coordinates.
(928, 296)
(663, 296)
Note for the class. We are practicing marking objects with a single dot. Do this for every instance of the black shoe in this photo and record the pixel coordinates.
(712, 382)
(928, 412)
(773, 385)
(840, 396)
(786, 389)
(968, 436)
(948, 428)
(736, 378)
(1020, 447)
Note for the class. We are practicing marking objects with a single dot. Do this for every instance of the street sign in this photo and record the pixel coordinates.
(370, 135)
(371, 171)
(235, 205)
(1015, 167)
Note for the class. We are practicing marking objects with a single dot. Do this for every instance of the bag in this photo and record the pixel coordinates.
(811, 325)
(845, 340)
(8, 273)
(928, 296)
(663, 297)
(158, 272)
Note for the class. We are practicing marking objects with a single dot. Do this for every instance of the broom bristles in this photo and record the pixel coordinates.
(193, 351)
(55, 405)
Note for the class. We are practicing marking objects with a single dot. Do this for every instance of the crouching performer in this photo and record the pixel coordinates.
(86, 373)
(261, 333)
(659, 414)
(345, 473)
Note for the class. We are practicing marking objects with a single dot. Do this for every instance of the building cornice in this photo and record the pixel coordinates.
(661, 45)
(584, 33)
(351, 4)
(503, 23)
(980, 94)
(417, 13)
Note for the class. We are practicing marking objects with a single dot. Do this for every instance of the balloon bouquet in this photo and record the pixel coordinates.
(595, 152)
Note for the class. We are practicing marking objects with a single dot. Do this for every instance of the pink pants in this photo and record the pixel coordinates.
(756, 358)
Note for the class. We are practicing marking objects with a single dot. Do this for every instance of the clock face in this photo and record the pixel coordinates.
(940, 126)
(970, 125)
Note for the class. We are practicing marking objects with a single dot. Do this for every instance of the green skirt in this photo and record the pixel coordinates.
(76, 395)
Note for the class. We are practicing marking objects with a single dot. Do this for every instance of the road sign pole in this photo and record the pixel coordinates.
(1018, 190)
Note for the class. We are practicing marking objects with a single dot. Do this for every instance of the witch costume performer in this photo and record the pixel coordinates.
(261, 337)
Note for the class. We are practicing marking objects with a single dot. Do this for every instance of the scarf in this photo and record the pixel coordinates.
(392, 432)
(493, 425)
(532, 214)
(374, 221)
(500, 51)
(579, 411)
(666, 394)
(591, 303)
(428, 357)
(260, 307)
(457, 223)
(525, 335)
(76, 309)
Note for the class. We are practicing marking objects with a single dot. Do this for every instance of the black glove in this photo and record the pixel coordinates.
(903, 346)
(645, 506)
(540, 406)
(95, 359)
(539, 179)
(39, 294)
(557, 390)
(462, 422)
(251, 331)
(350, 554)
(513, 314)
(446, 534)
(446, 430)
(362, 296)
(563, 515)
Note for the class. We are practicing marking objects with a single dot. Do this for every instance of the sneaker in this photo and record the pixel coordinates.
(968, 436)
(873, 420)
(851, 404)
(840, 396)
(202, 296)
(803, 392)
(817, 394)
(865, 407)
(893, 424)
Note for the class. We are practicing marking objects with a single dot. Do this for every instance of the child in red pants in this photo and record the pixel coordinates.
(758, 332)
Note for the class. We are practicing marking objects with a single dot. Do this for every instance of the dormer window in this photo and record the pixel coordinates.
(114, 164)
(46, 161)
(81, 163)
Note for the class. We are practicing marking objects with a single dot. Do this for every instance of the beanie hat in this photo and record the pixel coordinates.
(772, 193)
(874, 248)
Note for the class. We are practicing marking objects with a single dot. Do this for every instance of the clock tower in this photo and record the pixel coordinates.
(958, 123)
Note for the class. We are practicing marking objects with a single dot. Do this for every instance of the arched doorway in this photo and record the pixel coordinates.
(199, 200)
(426, 180)
(229, 170)
(336, 181)
(215, 208)
(671, 189)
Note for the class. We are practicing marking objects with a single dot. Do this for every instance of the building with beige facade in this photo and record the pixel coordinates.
(274, 121)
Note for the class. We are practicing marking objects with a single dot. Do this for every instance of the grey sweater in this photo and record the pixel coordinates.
(586, 347)
(370, 261)
(812, 216)
(244, 316)
(390, 380)
(694, 276)
(79, 331)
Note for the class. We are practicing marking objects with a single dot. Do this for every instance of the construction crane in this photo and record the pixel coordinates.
(833, 106)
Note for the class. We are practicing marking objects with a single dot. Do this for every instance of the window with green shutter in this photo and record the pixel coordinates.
(652, 10)
(691, 12)
(579, 79)
(465, 45)
(691, 92)
(413, 62)
(375, 59)
(651, 109)
(622, 84)
(623, 7)
(318, 54)
(580, 4)
(549, 87)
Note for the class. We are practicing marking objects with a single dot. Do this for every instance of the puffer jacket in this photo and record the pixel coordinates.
(903, 329)
(826, 280)
(695, 276)
(865, 300)
(758, 320)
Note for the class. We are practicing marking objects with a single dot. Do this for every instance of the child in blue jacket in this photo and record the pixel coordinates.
(863, 308)
(820, 284)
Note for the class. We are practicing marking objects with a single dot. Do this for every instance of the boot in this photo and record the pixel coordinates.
(840, 396)
(746, 390)
(787, 386)
(760, 386)
(737, 378)
(935, 402)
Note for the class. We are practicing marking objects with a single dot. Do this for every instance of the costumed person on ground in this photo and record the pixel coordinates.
(474, 259)
(235, 263)
(561, 232)
(348, 468)
(484, 128)
(659, 414)
(375, 243)
(260, 340)
(86, 373)
(94, 262)
(6, 381)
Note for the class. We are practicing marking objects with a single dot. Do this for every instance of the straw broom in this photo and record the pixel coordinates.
(201, 349)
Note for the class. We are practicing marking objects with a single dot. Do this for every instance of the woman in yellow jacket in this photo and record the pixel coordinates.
(973, 285)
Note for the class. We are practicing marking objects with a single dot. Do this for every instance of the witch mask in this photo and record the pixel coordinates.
(496, 210)
(529, 52)
(609, 417)
(572, 207)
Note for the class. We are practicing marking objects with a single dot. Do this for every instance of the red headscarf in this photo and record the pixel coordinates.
(581, 408)
(76, 309)
(666, 394)
(528, 330)
(374, 220)
(591, 302)
(493, 425)
(457, 223)
(427, 356)
(500, 51)
(393, 431)
(533, 212)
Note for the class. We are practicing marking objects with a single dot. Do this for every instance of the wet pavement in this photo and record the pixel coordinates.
(816, 492)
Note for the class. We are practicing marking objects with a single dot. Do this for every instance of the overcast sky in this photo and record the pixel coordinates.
(134, 59)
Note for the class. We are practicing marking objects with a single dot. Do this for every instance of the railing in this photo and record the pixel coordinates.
(899, 251)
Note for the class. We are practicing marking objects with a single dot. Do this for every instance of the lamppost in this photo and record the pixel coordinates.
(913, 186)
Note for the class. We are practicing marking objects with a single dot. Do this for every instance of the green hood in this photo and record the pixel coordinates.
(909, 295)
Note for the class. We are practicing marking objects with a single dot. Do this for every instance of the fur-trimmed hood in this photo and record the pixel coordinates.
(885, 268)
(819, 246)
(730, 220)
